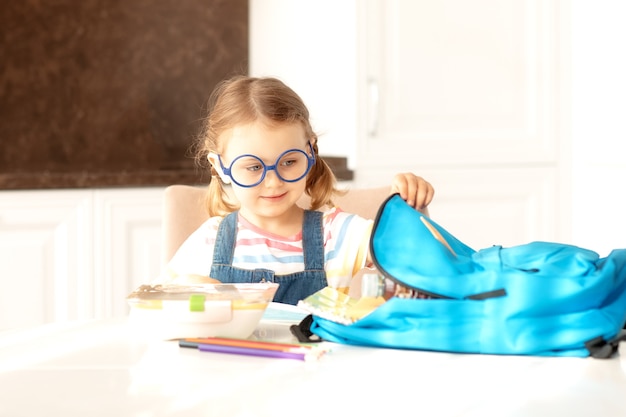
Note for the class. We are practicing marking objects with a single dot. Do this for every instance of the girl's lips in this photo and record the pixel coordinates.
(274, 197)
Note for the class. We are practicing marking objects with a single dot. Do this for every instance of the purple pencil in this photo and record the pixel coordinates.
(253, 352)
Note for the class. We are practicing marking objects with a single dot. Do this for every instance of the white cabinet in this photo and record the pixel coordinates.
(75, 254)
(469, 95)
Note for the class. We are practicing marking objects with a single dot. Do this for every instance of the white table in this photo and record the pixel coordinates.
(99, 368)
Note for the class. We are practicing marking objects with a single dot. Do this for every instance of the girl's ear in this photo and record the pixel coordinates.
(215, 163)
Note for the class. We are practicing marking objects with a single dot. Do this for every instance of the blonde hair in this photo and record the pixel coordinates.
(242, 100)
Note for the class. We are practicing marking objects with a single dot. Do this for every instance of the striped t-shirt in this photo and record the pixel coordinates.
(346, 245)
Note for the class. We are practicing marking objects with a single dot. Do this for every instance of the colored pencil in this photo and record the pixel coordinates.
(248, 351)
(259, 344)
(254, 347)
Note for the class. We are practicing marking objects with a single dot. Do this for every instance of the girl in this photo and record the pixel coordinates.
(259, 141)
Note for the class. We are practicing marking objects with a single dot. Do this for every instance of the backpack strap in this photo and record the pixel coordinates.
(598, 347)
(602, 349)
(302, 331)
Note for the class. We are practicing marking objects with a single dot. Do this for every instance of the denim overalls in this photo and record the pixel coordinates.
(293, 287)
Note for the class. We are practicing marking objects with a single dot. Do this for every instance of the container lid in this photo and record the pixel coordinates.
(247, 293)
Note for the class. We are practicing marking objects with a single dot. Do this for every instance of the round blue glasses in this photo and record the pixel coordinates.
(249, 170)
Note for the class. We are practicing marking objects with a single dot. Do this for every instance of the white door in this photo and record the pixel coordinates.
(468, 95)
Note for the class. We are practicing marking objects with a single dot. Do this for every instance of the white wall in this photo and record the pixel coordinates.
(599, 123)
(311, 45)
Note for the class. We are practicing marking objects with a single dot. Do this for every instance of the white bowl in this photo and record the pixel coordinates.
(205, 310)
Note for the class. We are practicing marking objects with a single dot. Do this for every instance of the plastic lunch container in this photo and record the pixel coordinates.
(201, 310)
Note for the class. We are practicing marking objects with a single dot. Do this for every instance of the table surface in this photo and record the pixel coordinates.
(100, 368)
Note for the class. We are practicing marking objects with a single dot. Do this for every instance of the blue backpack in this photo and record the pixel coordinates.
(540, 298)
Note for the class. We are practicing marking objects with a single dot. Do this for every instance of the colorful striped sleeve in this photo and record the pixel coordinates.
(346, 244)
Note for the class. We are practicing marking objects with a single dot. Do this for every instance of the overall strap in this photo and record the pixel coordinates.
(225, 240)
(313, 240)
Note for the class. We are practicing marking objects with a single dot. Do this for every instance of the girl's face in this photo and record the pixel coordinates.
(273, 198)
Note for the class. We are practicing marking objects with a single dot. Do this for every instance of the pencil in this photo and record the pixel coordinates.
(248, 351)
(259, 344)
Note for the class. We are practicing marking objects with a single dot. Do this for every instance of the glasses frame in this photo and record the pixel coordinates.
(266, 168)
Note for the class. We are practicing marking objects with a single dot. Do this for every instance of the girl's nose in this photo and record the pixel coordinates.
(272, 179)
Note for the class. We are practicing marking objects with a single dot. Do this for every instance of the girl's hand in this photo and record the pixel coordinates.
(416, 191)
